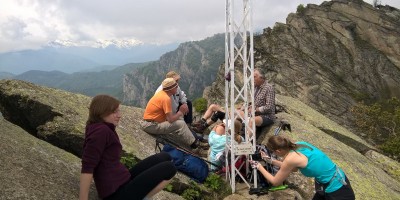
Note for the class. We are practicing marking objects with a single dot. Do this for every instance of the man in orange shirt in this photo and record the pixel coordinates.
(159, 119)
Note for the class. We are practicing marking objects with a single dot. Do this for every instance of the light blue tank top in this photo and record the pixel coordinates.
(321, 167)
(217, 145)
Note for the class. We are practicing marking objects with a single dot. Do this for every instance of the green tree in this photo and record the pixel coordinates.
(300, 9)
(379, 122)
(200, 104)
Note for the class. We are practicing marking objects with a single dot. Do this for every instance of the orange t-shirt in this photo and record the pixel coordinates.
(157, 107)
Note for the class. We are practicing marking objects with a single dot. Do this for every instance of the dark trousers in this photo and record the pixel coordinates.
(188, 118)
(145, 176)
(266, 122)
(343, 193)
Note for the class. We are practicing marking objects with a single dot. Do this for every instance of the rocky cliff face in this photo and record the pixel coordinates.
(34, 169)
(40, 167)
(197, 62)
(332, 55)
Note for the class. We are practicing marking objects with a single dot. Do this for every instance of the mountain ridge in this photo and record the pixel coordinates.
(77, 58)
(197, 62)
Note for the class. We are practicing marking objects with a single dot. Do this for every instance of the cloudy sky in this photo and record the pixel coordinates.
(30, 24)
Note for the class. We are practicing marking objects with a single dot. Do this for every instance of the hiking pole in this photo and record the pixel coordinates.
(278, 129)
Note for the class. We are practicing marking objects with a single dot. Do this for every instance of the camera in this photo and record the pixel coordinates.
(256, 156)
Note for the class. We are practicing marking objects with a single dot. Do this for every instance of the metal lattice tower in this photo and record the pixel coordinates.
(239, 91)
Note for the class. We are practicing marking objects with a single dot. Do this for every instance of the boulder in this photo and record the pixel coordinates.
(34, 169)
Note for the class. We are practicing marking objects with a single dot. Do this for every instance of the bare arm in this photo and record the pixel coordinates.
(171, 118)
(291, 163)
(85, 181)
(220, 130)
(278, 179)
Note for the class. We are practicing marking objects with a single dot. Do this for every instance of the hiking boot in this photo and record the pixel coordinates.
(201, 121)
(199, 128)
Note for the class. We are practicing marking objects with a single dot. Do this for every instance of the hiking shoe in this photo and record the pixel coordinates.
(199, 122)
(199, 128)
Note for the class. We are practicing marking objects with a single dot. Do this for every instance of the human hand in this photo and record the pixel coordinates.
(185, 106)
(265, 157)
(254, 164)
(184, 109)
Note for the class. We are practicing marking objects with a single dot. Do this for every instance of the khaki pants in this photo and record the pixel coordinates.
(177, 131)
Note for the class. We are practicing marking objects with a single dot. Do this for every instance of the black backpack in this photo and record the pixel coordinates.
(262, 183)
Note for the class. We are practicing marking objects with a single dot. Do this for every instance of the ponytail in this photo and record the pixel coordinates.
(278, 142)
(291, 145)
(238, 138)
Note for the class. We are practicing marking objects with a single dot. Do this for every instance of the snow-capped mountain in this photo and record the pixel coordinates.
(127, 43)
(118, 43)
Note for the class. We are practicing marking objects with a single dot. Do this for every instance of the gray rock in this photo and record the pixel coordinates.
(34, 169)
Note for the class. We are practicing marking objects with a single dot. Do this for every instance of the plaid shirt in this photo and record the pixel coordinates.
(264, 100)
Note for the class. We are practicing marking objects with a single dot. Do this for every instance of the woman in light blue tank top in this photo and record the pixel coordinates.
(217, 141)
(331, 181)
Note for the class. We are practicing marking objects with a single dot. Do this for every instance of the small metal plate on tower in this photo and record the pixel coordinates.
(243, 149)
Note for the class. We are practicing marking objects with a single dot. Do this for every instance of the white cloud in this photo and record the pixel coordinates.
(34, 23)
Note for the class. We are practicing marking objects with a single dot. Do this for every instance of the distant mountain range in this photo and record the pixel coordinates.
(4, 75)
(88, 83)
(69, 58)
(196, 61)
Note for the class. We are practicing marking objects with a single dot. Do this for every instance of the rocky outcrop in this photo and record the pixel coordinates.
(59, 117)
(197, 62)
(370, 179)
(34, 169)
(332, 55)
(389, 165)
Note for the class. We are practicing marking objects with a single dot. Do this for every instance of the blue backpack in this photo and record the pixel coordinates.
(192, 166)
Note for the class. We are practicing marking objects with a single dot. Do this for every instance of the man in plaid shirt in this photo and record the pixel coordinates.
(264, 104)
(264, 101)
